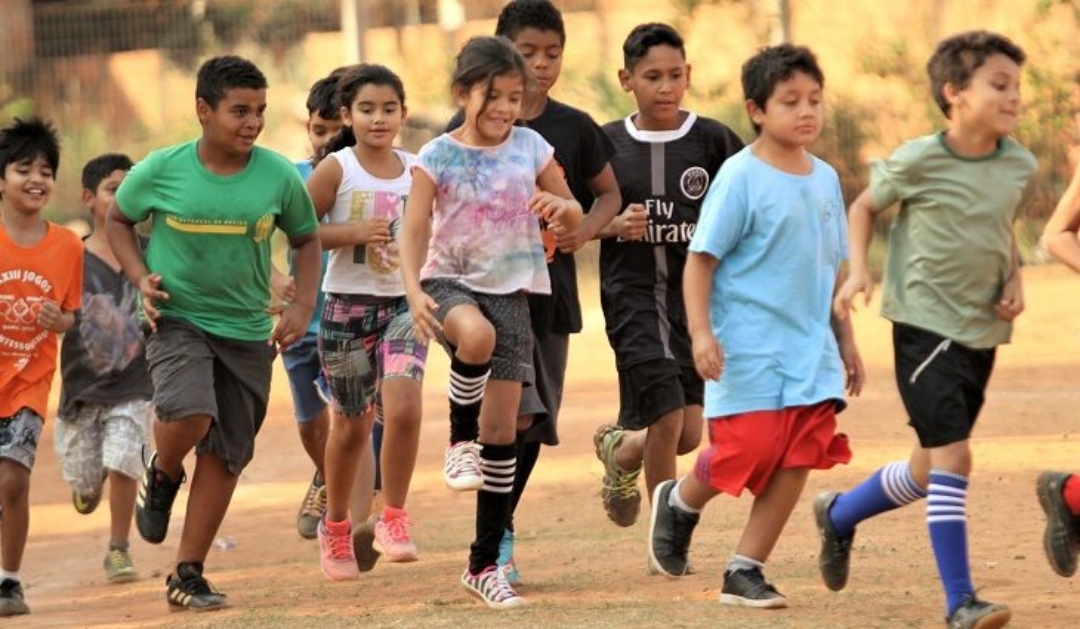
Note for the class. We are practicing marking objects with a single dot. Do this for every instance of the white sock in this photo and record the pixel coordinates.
(742, 562)
(14, 576)
(675, 498)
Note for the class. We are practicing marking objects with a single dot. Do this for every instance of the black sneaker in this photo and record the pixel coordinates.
(1061, 540)
(976, 614)
(748, 588)
(192, 593)
(11, 599)
(834, 558)
(153, 505)
(670, 530)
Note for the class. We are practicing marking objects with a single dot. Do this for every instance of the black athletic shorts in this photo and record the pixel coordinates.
(652, 389)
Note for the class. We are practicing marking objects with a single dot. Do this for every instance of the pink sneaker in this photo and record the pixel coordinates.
(336, 556)
(491, 587)
(392, 539)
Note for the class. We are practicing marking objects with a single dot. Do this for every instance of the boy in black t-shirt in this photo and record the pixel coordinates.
(584, 152)
(105, 395)
(665, 158)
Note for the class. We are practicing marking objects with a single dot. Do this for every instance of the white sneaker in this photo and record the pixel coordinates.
(461, 470)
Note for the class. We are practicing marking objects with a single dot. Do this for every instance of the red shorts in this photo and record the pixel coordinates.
(746, 449)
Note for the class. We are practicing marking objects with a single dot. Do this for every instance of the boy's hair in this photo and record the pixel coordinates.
(27, 140)
(101, 167)
(482, 59)
(958, 57)
(522, 14)
(775, 64)
(349, 84)
(322, 97)
(220, 74)
(646, 36)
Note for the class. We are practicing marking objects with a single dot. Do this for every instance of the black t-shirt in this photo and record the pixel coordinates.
(641, 281)
(102, 358)
(582, 150)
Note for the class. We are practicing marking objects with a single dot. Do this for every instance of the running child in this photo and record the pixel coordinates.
(105, 395)
(1059, 493)
(372, 359)
(665, 156)
(487, 184)
(769, 243)
(41, 266)
(536, 29)
(205, 284)
(952, 289)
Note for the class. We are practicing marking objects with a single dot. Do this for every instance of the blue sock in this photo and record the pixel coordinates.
(889, 488)
(946, 517)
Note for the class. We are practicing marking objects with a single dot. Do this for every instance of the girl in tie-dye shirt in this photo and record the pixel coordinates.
(488, 184)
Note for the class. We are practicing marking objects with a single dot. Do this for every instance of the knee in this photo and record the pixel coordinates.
(476, 341)
(667, 427)
(311, 431)
(524, 422)
(955, 458)
(14, 487)
(689, 441)
(352, 431)
(407, 414)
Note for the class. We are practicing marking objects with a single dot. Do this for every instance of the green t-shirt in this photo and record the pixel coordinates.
(950, 246)
(210, 234)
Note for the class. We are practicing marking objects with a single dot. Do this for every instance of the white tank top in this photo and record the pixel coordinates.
(368, 269)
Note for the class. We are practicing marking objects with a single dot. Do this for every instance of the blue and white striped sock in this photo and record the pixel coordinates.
(890, 487)
(946, 517)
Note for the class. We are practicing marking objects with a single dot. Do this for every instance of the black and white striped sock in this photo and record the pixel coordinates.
(499, 465)
(466, 393)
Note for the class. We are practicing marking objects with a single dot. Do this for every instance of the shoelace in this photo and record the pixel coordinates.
(459, 462)
(199, 586)
(163, 492)
(398, 528)
(315, 503)
(757, 579)
(340, 547)
(118, 560)
(494, 586)
(624, 484)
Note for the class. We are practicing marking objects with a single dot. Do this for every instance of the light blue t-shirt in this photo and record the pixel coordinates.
(780, 239)
(305, 168)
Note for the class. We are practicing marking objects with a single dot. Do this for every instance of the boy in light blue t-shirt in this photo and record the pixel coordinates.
(758, 285)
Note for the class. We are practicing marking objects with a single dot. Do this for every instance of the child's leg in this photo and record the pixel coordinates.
(360, 501)
(126, 433)
(661, 447)
(498, 460)
(401, 438)
(348, 439)
(122, 490)
(692, 425)
(15, 499)
(472, 339)
(770, 513)
(946, 518)
(212, 486)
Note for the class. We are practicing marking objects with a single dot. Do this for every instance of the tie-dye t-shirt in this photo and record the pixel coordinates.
(483, 233)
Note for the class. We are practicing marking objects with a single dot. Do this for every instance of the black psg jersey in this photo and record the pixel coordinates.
(669, 173)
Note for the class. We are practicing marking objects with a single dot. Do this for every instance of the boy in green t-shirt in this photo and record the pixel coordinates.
(213, 204)
(952, 289)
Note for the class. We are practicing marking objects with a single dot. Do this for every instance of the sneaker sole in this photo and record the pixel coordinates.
(197, 610)
(364, 547)
(123, 578)
(12, 610)
(458, 484)
(392, 558)
(343, 576)
(822, 502)
(517, 601)
(995, 620)
(737, 601)
(653, 563)
(1043, 488)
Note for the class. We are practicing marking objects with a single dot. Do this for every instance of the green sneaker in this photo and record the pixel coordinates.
(312, 509)
(118, 566)
(622, 500)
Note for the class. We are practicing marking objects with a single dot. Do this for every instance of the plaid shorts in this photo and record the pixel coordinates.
(102, 437)
(19, 435)
(363, 340)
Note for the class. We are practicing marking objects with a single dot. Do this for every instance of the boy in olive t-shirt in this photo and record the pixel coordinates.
(213, 204)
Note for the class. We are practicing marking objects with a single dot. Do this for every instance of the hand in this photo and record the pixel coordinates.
(283, 287)
(570, 240)
(292, 323)
(148, 288)
(631, 223)
(1012, 299)
(422, 308)
(708, 355)
(855, 372)
(858, 282)
(547, 206)
(371, 232)
(51, 317)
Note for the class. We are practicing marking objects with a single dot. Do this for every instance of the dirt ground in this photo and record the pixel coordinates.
(579, 569)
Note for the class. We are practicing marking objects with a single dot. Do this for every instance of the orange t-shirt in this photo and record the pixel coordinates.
(52, 269)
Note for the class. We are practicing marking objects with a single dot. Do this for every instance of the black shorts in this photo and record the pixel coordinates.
(543, 399)
(942, 384)
(197, 373)
(651, 389)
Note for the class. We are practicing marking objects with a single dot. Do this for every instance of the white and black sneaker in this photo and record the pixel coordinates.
(748, 588)
(491, 587)
(670, 531)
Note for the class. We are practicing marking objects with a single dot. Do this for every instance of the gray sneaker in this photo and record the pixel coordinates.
(834, 558)
(11, 599)
(976, 614)
(118, 566)
(1061, 540)
(622, 500)
(748, 588)
(670, 531)
(312, 509)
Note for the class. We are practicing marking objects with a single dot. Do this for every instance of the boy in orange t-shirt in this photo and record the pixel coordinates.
(40, 289)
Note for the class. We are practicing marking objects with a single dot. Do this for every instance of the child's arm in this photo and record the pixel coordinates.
(860, 232)
(1012, 294)
(849, 352)
(553, 201)
(697, 289)
(628, 225)
(282, 286)
(1062, 229)
(295, 316)
(414, 239)
(606, 202)
(125, 245)
(323, 186)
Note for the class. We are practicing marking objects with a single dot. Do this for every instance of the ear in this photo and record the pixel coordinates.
(203, 111)
(952, 95)
(624, 80)
(461, 97)
(88, 199)
(757, 115)
(346, 117)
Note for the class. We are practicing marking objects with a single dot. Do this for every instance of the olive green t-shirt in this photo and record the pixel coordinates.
(210, 234)
(950, 245)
